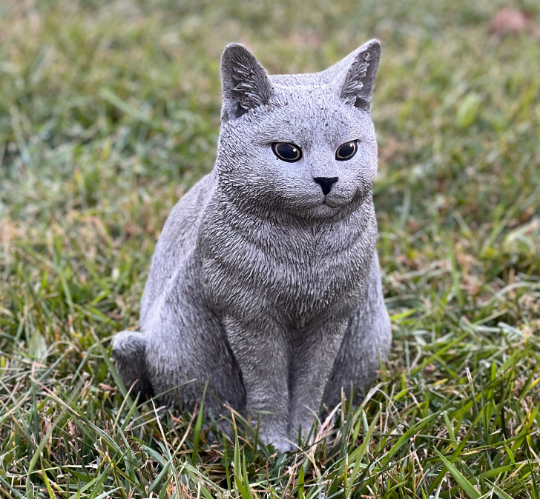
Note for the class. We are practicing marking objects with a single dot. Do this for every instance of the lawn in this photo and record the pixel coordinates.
(109, 112)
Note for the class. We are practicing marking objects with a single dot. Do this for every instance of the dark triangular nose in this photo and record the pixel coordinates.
(326, 183)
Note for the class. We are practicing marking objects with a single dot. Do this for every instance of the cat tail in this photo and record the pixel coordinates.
(129, 354)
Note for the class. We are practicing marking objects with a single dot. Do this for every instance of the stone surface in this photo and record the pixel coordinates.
(261, 284)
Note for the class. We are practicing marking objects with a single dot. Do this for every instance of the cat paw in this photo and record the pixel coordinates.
(279, 443)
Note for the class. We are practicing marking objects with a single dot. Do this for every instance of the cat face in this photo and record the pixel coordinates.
(302, 144)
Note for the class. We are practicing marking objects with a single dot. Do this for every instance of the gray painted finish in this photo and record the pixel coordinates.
(260, 284)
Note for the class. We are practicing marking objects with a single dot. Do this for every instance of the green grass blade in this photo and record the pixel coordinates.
(464, 484)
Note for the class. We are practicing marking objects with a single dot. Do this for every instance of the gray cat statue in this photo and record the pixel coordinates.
(265, 285)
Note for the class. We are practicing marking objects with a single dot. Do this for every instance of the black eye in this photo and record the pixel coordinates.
(287, 152)
(346, 151)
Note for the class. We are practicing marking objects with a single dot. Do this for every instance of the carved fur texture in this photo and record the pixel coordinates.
(262, 286)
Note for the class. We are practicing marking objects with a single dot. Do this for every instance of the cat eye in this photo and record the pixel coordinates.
(346, 151)
(287, 152)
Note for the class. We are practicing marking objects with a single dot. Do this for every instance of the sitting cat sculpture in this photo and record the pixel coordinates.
(265, 283)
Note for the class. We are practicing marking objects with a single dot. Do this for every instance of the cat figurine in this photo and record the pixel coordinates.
(265, 285)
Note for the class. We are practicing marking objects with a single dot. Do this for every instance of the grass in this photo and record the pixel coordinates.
(109, 112)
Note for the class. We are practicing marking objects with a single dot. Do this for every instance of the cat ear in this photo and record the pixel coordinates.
(359, 69)
(246, 84)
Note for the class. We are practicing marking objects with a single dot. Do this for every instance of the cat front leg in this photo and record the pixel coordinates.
(262, 353)
(366, 343)
(314, 354)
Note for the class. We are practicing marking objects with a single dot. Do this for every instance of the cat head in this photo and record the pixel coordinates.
(303, 144)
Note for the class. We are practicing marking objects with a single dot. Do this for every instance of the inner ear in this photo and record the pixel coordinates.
(246, 84)
(359, 81)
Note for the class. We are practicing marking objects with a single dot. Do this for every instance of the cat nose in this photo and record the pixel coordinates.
(326, 183)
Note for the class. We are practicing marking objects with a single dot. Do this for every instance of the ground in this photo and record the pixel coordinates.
(109, 112)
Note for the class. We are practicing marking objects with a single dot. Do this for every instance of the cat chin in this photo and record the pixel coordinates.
(322, 210)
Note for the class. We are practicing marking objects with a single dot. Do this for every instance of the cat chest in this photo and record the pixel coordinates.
(291, 283)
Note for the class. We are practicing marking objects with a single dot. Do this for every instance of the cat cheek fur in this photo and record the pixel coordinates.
(253, 177)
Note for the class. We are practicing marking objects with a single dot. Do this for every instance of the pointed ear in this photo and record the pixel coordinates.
(360, 68)
(246, 84)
